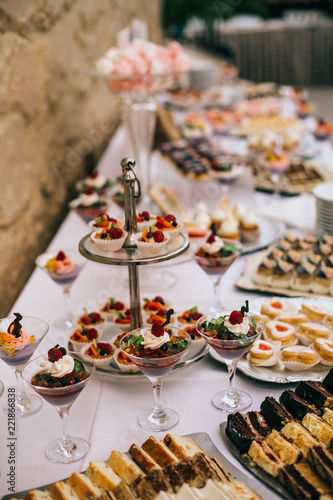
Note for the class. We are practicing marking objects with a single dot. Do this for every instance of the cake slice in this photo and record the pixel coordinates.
(181, 446)
(322, 461)
(159, 452)
(62, 491)
(300, 436)
(124, 466)
(296, 405)
(142, 489)
(285, 449)
(173, 477)
(84, 487)
(315, 394)
(259, 423)
(328, 416)
(203, 466)
(240, 431)
(38, 495)
(145, 461)
(221, 471)
(318, 428)
(327, 383)
(103, 476)
(190, 474)
(242, 491)
(274, 413)
(186, 492)
(301, 481)
(121, 492)
(265, 458)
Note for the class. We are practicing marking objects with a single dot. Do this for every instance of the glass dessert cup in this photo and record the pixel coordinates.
(64, 281)
(158, 418)
(17, 356)
(230, 351)
(67, 449)
(215, 268)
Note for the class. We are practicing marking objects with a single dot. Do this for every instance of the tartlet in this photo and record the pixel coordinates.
(101, 352)
(110, 239)
(151, 241)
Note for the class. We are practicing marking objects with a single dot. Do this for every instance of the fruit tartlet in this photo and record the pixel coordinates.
(217, 253)
(144, 220)
(102, 221)
(89, 204)
(190, 316)
(152, 241)
(91, 319)
(110, 239)
(101, 352)
(155, 304)
(97, 181)
(84, 335)
(168, 224)
(123, 319)
(117, 339)
(197, 339)
(124, 363)
(112, 307)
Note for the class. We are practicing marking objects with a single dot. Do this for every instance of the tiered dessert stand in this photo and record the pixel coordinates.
(129, 255)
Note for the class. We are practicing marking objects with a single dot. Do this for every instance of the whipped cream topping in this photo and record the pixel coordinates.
(149, 340)
(212, 248)
(59, 368)
(97, 182)
(243, 327)
(250, 219)
(229, 225)
(239, 210)
(88, 199)
(201, 215)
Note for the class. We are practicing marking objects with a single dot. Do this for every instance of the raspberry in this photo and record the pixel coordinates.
(92, 333)
(157, 330)
(54, 354)
(93, 175)
(195, 316)
(85, 320)
(94, 317)
(170, 218)
(116, 233)
(89, 190)
(144, 214)
(159, 299)
(118, 306)
(61, 256)
(211, 239)
(103, 346)
(159, 225)
(236, 318)
(158, 236)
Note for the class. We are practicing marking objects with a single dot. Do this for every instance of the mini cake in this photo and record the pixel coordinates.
(102, 221)
(264, 272)
(328, 416)
(303, 276)
(190, 316)
(310, 331)
(144, 220)
(281, 332)
(282, 274)
(229, 227)
(265, 458)
(274, 413)
(91, 319)
(313, 312)
(155, 304)
(249, 226)
(110, 239)
(84, 335)
(321, 460)
(315, 394)
(274, 306)
(89, 204)
(100, 352)
(169, 224)
(301, 482)
(294, 257)
(240, 430)
(322, 281)
(263, 353)
(300, 436)
(298, 358)
(287, 451)
(151, 241)
(111, 307)
(296, 405)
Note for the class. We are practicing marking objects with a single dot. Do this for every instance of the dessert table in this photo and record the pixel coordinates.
(105, 413)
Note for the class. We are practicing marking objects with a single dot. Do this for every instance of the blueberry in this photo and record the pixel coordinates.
(103, 236)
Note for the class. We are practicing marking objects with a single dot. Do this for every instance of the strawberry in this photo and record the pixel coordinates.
(157, 330)
(54, 354)
(116, 233)
(61, 256)
(236, 318)
(85, 320)
(158, 236)
(89, 190)
(92, 333)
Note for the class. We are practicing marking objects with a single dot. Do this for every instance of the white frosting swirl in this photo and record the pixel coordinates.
(250, 219)
(88, 199)
(229, 225)
(59, 368)
(97, 182)
(243, 327)
(212, 248)
(149, 339)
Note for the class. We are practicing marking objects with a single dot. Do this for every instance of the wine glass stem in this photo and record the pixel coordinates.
(232, 366)
(66, 293)
(158, 412)
(216, 283)
(67, 445)
(21, 395)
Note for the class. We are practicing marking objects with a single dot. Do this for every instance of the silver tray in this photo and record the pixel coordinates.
(203, 440)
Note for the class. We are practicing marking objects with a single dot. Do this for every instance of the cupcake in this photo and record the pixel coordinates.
(229, 228)
(249, 226)
(110, 239)
(280, 332)
(100, 352)
(298, 358)
(89, 204)
(84, 335)
(151, 241)
(168, 224)
(102, 221)
(264, 353)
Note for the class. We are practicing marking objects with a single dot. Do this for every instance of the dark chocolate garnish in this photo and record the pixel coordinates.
(15, 327)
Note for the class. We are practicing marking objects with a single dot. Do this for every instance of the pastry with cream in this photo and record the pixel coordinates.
(274, 306)
(249, 226)
(298, 357)
(263, 353)
(281, 332)
(264, 272)
(282, 274)
(310, 331)
(229, 227)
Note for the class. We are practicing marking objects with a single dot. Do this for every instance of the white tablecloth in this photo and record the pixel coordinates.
(106, 411)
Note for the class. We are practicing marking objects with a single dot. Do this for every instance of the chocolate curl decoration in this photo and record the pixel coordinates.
(15, 327)
(168, 318)
(245, 309)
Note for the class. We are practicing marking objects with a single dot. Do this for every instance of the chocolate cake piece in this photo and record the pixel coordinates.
(240, 430)
(301, 482)
(274, 413)
(315, 394)
(203, 466)
(142, 489)
(259, 423)
(327, 383)
(173, 477)
(158, 481)
(297, 406)
(322, 461)
(190, 474)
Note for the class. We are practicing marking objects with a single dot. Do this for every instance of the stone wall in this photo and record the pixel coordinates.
(54, 119)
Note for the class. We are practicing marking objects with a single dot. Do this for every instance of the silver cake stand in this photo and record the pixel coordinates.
(129, 255)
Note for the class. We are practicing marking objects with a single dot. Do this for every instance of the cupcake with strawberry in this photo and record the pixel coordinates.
(102, 221)
(111, 307)
(84, 335)
(152, 241)
(101, 352)
(90, 319)
(110, 239)
(168, 224)
(144, 220)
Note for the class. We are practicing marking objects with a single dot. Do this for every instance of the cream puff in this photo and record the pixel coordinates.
(274, 306)
(281, 332)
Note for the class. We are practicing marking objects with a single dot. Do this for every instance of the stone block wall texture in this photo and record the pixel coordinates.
(53, 118)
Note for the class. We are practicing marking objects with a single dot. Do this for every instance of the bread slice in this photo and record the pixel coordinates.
(124, 466)
(182, 447)
(84, 487)
(38, 495)
(103, 476)
(159, 452)
(62, 491)
(145, 461)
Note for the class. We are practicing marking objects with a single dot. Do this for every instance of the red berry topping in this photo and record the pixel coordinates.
(85, 320)
(54, 354)
(158, 224)
(93, 175)
(116, 233)
(158, 236)
(159, 299)
(118, 306)
(89, 190)
(94, 317)
(92, 333)
(103, 346)
(61, 256)
(236, 318)
(157, 330)
(195, 316)
(170, 218)
(145, 214)
(211, 239)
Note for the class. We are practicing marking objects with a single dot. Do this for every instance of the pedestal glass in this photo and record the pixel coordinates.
(64, 281)
(156, 368)
(215, 268)
(67, 449)
(231, 351)
(17, 356)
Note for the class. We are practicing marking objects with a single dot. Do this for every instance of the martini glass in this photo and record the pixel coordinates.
(156, 368)
(215, 268)
(64, 281)
(66, 449)
(17, 356)
(231, 351)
